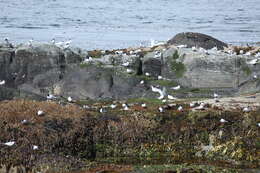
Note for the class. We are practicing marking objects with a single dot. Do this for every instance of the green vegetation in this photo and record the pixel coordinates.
(177, 66)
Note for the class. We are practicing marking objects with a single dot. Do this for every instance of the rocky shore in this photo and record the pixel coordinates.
(170, 107)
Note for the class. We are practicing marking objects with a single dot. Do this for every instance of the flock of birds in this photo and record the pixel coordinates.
(162, 92)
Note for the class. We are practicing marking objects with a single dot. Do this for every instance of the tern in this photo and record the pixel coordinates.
(69, 99)
(161, 92)
(143, 105)
(35, 147)
(40, 113)
(223, 120)
(160, 109)
(176, 88)
(113, 106)
(180, 108)
(171, 97)
(2, 82)
(126, 64)
(147, 74)
(11, 143)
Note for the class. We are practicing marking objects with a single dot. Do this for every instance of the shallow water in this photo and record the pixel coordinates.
(116, 23)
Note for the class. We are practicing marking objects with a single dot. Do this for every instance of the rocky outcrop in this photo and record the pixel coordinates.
(197, 40)
(44, 69)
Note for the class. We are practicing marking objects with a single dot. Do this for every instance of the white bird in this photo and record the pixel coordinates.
(69, 99)
(253, 62)
(160, 109)
(176, 88)
(126, 108)
(2, 82)
(192, 105)
(40, 113)
(126, 64)
(102, 110)
(180, 108)
(160, 77)
(124, 105)
(164, 100)
(113, 106)
(30, 42)
(194, 48)
(223, 120)
(258, 124)
(24, 121)
(241, 52)
(158, 55)
(248, 53)
(215, 95)
(86, 107)
(147, 74)
(11, 143)
(257, 55)
(255, 76)
(143, 105)
(181, 46)
(119, 52)
(35, 147)
(246, 109)
(200, 107)
(50, 97)
(171, 97)
(161, 92)
(53, 41)
(129, 70)
(142, 82)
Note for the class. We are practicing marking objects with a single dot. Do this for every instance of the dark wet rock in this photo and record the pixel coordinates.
(196, 39)
(152, 66)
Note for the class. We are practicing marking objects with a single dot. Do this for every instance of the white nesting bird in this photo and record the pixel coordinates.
(126, 64)
(113, 106)
(11, 143)
(171, 97)
(124, 105)
(129, 70)
(35, 147)
(50, 97)
(255, 77)
(160, 77)
(181, 46)
(143, 105)
(67, 44)
(253, 62)
(102, 110)
(24, 121)
(241, 52)
(126, 108)
(215, 95)
(176, 88)
(40, 113)
(164, 100)
(192, 105)
(223, 120)
(161, 92)
(160, 109)
(147, 74)
(246, 109)
(142, 82)
(258, 124)
(2, 82)
(180, 108)
(200, 107)
(69, 99)
(194, 48)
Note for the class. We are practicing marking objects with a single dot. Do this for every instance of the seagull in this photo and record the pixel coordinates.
(160, 109)
(35, 147)
(160, 77)
(24, 121)
(129, 70)
(147, 74)
(50, 97)
(181, 46)
(176, 88)
(126, 108)
(161, 92)
(113, 106)
(142, 82)
(102, 110)
(2, 82)
(40, 113)
(253, 62)
(246, 109)
(192, 105)
(69, 99)
(11, 143)
(143, 105)
(126, 64)
(171, 97)
(223, 120)
(180, 108)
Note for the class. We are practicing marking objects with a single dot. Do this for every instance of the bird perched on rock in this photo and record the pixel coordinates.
(192, 105)
(171, 97)
(142, 82)
(246, 109)
(8, 44)
(129, 70)
(40, 113)
(2, 82)
(24, 122)
(161, 92)
(176, 88)
(50, 97)
(143, 105)
(223, 120)
(160, 109)
(113, 106)
(11, 143)
(160, 77)
(35, 147)
(69, 99)
(253, 61)
(180, 108)
(102, 110)
(126, 64)
(147, 74)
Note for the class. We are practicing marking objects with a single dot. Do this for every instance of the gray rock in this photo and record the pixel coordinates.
(196, 39)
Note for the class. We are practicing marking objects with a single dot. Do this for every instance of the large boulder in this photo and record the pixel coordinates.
(196, 39)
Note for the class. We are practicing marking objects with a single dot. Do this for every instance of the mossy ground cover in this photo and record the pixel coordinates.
(69, 131)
